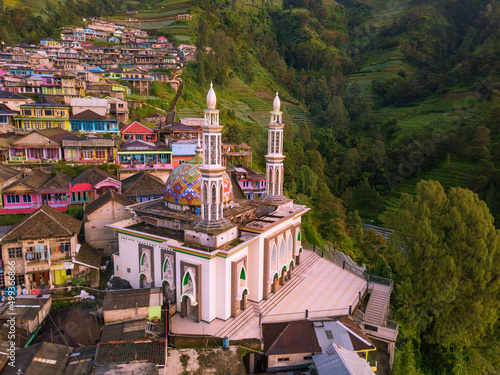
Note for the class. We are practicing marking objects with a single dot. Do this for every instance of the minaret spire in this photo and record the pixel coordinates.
(212, 187)
(275, 157)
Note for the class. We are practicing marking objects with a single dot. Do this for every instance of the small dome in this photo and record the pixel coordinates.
(277, 103)
(211, 98)
(184, 184)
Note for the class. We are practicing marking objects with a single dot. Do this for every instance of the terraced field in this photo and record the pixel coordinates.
(449, 174)
(297, 115)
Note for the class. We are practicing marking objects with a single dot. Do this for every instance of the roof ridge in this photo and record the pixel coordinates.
(49, 215)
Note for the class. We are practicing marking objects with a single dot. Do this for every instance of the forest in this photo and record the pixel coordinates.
(403, 99)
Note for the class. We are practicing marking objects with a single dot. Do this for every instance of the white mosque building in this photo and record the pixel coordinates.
(210, 251)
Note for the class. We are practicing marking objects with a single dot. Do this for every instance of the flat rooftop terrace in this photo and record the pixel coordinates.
(317, 285)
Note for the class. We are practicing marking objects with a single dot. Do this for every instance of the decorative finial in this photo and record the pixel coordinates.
(211, 98)
(277, 103)
(198, 145)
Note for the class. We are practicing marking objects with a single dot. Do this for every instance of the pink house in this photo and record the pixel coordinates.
(91, 184)
(31, 192)
(136, 131)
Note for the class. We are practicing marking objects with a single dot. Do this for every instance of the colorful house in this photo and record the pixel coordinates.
(143, 187)
(136, 131)
(40, 248)
(252, 183)
(139, 154)
(91, 184)
(6, 119)
(182, 151)
(7, 177)
(41, 145)
(45, 113)
(31, 192)
(50, 43)
(89, 149)
(89, 121)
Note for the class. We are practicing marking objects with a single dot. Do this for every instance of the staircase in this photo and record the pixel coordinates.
(248, 319)
(378, 305)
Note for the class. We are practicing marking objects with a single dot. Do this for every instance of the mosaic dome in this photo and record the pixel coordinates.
(184, 183)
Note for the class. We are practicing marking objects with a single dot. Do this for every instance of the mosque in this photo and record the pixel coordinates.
(210, 251)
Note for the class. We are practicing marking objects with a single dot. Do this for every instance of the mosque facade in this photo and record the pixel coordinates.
(208, 250)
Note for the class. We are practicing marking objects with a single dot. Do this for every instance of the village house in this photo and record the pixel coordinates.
(6, 119)
(137, 131)
(30, 313)
(87, 264)
(7, 177)
(90, 122)
(142, 187)
(108, 208)
(133, 304)
(107, 87)
(252, 183)
(96, 105)
(89, 149)
(13, 100)
(118, 108)
(38, 188)
(139, 155)
(40, 145)
(91, 184)
(182, 151)
(41, 246)
(45, 113)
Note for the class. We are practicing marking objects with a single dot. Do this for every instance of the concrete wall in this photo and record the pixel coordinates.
(294, 359)
(111, 316)
(96, 232)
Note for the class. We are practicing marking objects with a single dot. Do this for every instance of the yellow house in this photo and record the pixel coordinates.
(45, 113)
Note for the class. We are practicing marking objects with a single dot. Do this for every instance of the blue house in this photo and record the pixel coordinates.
(21, 71)
(114, 39)
(89, 121)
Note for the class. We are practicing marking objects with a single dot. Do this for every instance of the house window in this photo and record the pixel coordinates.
(64, 247)
(68, 272)
(26, 198)
(283, 359)
(87, 154)
(27, 112)
(37, 125)
(12, 198)
(307, 357)
(19, 279)
(49, 112)
(128, 270)
(15, 252)
(38, 112)
(52, 153)
(329, 334)
(100, 153)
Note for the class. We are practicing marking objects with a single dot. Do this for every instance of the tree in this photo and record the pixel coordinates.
(446, 253)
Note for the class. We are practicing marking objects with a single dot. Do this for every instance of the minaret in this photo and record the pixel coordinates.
(212, 188)
(275, 157)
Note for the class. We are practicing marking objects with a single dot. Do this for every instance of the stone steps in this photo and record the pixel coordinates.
(253, 309)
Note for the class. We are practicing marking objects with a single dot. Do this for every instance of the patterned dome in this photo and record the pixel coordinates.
(184, 183)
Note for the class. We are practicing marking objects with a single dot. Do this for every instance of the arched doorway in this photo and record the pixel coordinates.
(274, 285)
(243, 302)
(283, 275)
(144, 282)
(188, 309)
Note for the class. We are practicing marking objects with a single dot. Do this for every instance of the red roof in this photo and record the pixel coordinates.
(135, 127)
